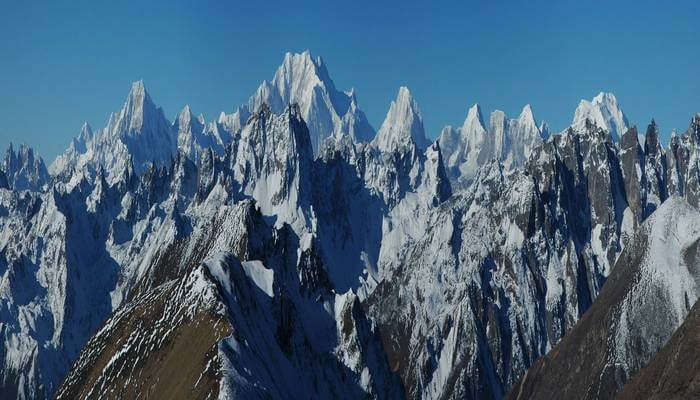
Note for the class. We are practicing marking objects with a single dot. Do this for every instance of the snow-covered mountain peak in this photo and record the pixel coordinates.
(138, 135)
(474, 144)
(139, 111)
(474, 121)
(85, 131)
(185, 119)
(23, 169)
(604, 111)
(527, 118)
(403, 124)
(186, 112)
(298, 75)
(328, 112)
(605, 98)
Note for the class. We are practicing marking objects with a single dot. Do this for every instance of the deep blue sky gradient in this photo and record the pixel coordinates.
(62, 64)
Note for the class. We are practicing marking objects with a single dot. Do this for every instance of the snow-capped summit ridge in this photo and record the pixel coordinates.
(328, 112)
(473, 145)
(138, 134)
(604, 110)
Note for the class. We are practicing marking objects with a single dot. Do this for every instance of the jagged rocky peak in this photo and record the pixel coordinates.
(630, 139)
(507, 140)
(544, 130)
(403, 125)
(187, 124)
(185, 117)
(328, 112)
(139, 133)
(273, 162)
(23, 169)
(694, 128)
(605, 112)
(194, 136)
(651, 139)
(648, 295)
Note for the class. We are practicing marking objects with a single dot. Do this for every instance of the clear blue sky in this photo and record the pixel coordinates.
(64, 64)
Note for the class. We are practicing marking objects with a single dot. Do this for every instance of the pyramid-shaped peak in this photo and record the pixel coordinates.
(139, 110)
(405, 100)
(185, 114)
(85, 131)
(475, 112)
(403, 123)
(138, 90)
(475, 119)
(138, 98)
(526, 113)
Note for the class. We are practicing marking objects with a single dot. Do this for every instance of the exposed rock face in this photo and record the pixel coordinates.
(683, 167)
(647, 296)
(218, 330)
(655, 170)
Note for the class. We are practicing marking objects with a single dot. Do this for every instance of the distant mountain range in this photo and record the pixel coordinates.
(289, 250)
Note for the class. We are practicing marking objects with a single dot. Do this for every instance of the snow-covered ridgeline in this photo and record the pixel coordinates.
(510, 261)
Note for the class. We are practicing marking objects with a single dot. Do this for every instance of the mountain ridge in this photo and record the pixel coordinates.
(386, 268)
